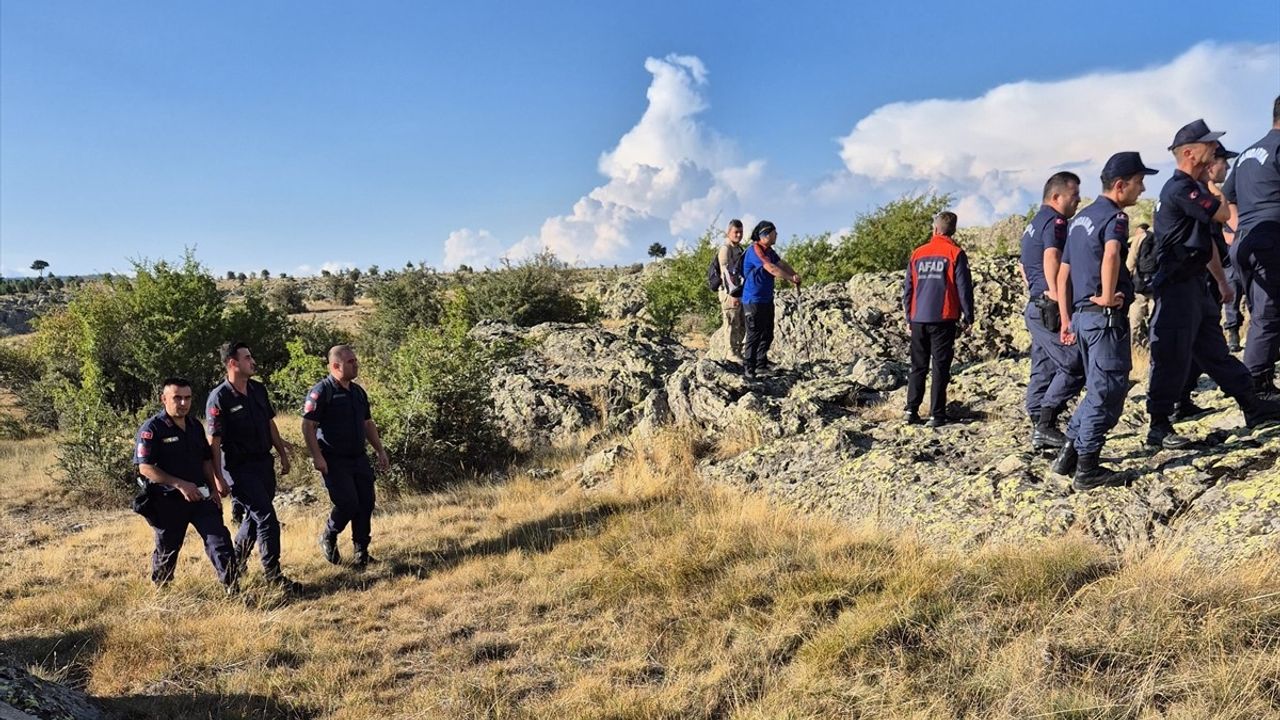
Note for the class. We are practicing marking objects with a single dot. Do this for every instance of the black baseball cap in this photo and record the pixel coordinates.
(1126, 164)
(1194, 132)
(1222, 152)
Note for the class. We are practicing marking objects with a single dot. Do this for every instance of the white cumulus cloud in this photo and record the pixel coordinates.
(476, 248)
(995, 151)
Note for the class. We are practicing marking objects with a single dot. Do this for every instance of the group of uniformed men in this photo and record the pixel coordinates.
(1081, 286)
(188, 468)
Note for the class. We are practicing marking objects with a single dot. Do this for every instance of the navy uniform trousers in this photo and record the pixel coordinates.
(350, 485)
(1184, 328)
(170, 519)
(931, 344)
(1103, 342)
(1232, 317)
(1260, 250)
(1056, 372)
(253, 485)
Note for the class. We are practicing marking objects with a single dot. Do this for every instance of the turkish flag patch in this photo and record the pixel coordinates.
(213, 411)
(309, 406)
(315, 395)
(1206, 203)
(145, 434)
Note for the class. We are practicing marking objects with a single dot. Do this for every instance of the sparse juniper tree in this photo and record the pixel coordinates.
(242, 277)
(657, 250)
(373, 271)
(39, 266)
(266, 274)
(231, 274)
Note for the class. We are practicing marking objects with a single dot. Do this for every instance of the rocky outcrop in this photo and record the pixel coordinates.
(572, 382)
(824, 432)
(24, 696)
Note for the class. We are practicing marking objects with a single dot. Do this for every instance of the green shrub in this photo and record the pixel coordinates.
(23, 374)
(434, 408)
(528, 293)
(286, 296)
(412, 298)
(288, 384)
(95, 447)
(678, 288)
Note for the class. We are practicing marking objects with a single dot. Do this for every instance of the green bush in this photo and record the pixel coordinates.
(678, 288)
(434, 408)
(413, 298)
(95, 447)
(306, 363)
(286, 296)
(23, 374)
(881, 240)
(528, 293)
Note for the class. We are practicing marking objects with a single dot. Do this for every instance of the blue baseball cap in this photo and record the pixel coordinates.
(1126, 164)
(1194, 132)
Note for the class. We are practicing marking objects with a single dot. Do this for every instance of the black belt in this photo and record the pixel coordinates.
(1095, 308)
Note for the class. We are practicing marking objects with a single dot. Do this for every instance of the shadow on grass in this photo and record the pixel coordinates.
(536, 536)
(67, 655)
(215, 706)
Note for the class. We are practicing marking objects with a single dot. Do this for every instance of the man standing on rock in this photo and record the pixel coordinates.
(242, 431)
(729, 258)
(760, 266)
(171, 452)
(1187, 324)
(1095, 285)
(1254, 188)
(937, 295)
(1057, 375)
(336, 424)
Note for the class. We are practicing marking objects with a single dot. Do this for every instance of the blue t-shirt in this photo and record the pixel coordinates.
(1090, 231)
(1254, 183)
(1048, 229)
(759, 283)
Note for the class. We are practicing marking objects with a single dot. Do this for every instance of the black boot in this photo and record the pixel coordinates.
(362, 557)
(1186, 409)
(1045, 434)
(1090, 474)
(1264, 387)
(1233, 339)
(1259, 411)
(329, 546)
(1065, 463)
(1161, 434)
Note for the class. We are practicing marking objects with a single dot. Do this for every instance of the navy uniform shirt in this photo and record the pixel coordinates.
(180, 453)
(1048, 229)
(242, 422)
(341, 413)
(1184, 237)
(1254, 183)
(1087, 237)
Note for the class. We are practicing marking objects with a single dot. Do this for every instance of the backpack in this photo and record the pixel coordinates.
(1145, 267)
(714, 281)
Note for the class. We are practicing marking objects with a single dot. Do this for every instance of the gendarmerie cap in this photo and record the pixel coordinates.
(1194, 132)
(1126, 164)
(1222, 152)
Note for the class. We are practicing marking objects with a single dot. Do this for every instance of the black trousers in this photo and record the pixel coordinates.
(350, 486)
(759, 320)
(253, 485)
(936, 342)
(170, 519)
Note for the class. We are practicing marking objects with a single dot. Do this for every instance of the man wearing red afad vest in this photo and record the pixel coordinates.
(938, 298)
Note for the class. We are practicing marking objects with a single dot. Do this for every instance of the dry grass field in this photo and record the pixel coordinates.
(656, 597)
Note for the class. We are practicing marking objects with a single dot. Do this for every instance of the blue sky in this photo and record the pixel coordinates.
(294, 135)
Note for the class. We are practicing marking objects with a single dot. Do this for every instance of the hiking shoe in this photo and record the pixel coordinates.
(937, 421)
(1233, 340)
(278, 580)
(1260, 411)
(362, 558)
(1091, 474)
(1067, 459)
(1188, 410)
(1161, 435)
(329, 546)
(912, 417)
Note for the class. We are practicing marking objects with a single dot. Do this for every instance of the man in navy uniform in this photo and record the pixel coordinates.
(1186, 325)
(336, 424)
(1095, 287)
(937, 296)
(1056, 373)
(171, 452)
(1254, 188)
(242, 430)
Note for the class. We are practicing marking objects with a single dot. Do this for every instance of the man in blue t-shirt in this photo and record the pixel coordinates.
(1056, 373)
(1094, 287)
(760, 266)
(337, 424)
(1253, 188)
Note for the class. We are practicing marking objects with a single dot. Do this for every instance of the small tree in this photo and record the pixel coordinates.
(39, 266)
(265, 274)
(241, 277)
(231, 274)
(657, 250)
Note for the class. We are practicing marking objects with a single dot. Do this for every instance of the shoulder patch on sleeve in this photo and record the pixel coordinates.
(145, 435)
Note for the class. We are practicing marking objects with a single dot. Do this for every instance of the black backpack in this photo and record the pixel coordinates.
(1145, 267)
(714, 281)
